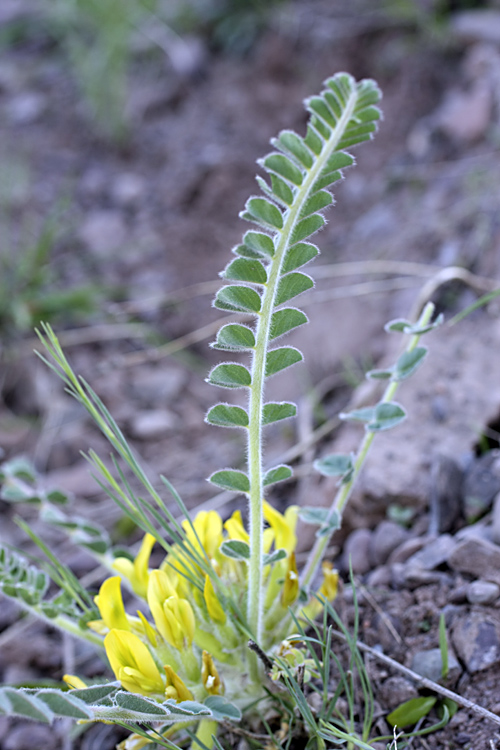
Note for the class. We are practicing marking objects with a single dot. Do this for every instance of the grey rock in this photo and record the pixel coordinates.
(465, 116)
(482, 592)
(495, 520)
(387, 536)
(476, 639)
(429, 664)
(405, 550)
(381, 576)
(479, 530)
(152, 424)
(128, 190)
(396, 690)
(103, 232)
(478, 558)
(433, 554)
(477, 26)
(357, 550)
(481, 484)
(26, 108)
(445, 495)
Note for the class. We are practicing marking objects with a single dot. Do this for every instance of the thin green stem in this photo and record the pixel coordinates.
(256, 394)
(345, 490)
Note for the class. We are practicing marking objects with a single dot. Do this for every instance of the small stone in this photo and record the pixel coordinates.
(381, 576)
(128, 190)
(466, 115)
(481, 484)
(478, 558)
(387, 536)
(429, 664)
(103, 231)
(476, 639)
(445, 494)
(154, 387)
(396, 690)
(458, 595)
(402, 553)
(495, 520)
(152, 424)
(357, 551)
(27, 108)
(482, 592)
(477, 26)
(434, 554)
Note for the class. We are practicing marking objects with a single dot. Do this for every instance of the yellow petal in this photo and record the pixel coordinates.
(110, 604)
(209, 675)
(290, 590)
(283, 526)
(214, 606)
(149, 631)
(74, 682)
(176, 688)
(235, 529)
(208, 528)
(132, 663)
(137, 572)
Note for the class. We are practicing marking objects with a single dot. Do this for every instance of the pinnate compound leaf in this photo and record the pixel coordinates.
(244, 269)
(237, 299)
(230, 375)
(277, 474)
(298, 255)
(229, 479)
(306, 227)
(234, 337)
(387, 414)
(284, 167)
(226, 415)
(292, 285)
(410, 712)
(409, 362)
(294, 145)
(262, 210)
(285, 320)
(334, 465)
(235, 549)
(274, 412)
(222, 709)
(280, 359)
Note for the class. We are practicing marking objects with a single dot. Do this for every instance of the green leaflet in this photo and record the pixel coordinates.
(280, 359)
(306, 227)
(298, 255)
(237, 299)
(277, 474)
(291, 143)
(235, 549)
(263, 212)
(230, 479)
(285, 320)
(292, 285)
(284, 167)
(234, 337)
(230, 375)
(226, 415)
(274, 412)
(243, 269)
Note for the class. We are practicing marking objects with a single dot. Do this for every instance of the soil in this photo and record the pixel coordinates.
(150, 224)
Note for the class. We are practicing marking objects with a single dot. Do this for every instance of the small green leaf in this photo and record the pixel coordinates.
(284, 167)
(234, 337)
(298, 255)
(333, 103)
(386, 415)
(274, 412)
(330, 526)
(264, 211)
(326, 179)
(318, 105)
(230, 375)
(95, 693)
(334, 465)
(369, 114)
(229, 479)
(338, 160)
(235, 549)
(237, 299)
(22, 703)
(316, 202)
(273, 557)
(259, 242)
(410, 712)
(359, 415)
(65, 704)
(222, 709)
(306, 227)
(139, 704)
(226, 415)
(404, 326)
(285, 320)
(399, 325)
(379, 374)
(292, 285)
(313, 141)
(277, 474)
(57, 497)
(243, 269)
(280, 359)
(314, 516)
(409, 362)
(294, 144)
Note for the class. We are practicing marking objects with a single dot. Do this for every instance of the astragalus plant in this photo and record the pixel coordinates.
(218, 619)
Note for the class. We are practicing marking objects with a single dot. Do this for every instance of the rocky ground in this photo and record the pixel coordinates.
(150, 225)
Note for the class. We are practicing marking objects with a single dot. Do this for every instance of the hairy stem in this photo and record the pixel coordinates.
(256, 396)
(345, 490)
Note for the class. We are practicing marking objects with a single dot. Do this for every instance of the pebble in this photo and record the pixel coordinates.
(433, 554)
(482, 592)
(445, 494)
(154, 387)
(387, 536)
(357, 551)
(481, 484)
(381, 576)
(405, 550)
(429, 664)
(127, 190)
(152, 424)
(396, 690)
(465, 116)
(103, 231)
(476, 640)
(478, 558)
(495, 520)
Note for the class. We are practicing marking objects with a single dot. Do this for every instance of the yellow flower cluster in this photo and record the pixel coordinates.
(195, 600)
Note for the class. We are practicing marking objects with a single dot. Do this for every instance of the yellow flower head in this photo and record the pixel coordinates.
(208, 528)
(283, 526)
(132, 663)
(110, 603)
(176, 688)
(290, 590)
(214, 606)
(174, 618)
(209, 675)
(137, 572)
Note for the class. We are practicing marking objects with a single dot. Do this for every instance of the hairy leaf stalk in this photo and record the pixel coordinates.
(345, 489)
(256, 396)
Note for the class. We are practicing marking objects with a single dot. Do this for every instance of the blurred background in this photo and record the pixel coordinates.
(129, 131)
